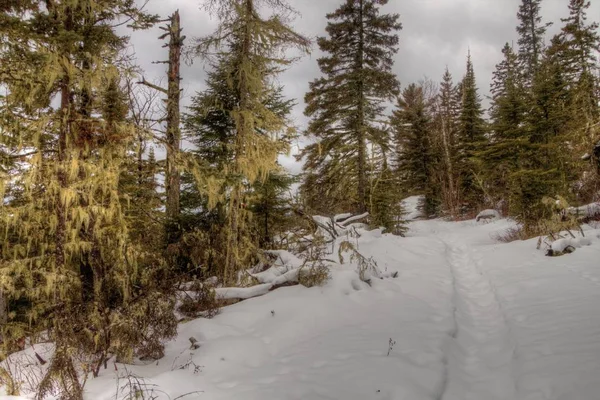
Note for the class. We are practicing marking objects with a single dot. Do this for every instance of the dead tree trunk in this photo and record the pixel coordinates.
(173, 130)
(173, 137)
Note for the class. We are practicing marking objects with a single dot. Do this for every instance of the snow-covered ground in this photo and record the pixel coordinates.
(467, 318)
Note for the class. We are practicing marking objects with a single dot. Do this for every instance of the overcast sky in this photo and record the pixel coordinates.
(435, 34)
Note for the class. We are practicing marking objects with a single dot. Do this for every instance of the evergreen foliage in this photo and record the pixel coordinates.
(447, 107)
(415, 155)
(471, 138)
(255, 60)
(346, 105)
(68, 256)
(509, 140)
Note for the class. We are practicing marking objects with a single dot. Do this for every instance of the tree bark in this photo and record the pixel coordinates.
(231, 262)
(173, 136)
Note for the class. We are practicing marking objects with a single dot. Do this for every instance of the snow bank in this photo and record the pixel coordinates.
(488, 215)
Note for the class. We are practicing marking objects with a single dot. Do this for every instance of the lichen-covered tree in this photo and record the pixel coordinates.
(67, 257)
(210, 126)
(253, 65)
(346, 105)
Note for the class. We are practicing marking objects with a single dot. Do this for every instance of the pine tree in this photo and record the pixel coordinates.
(544, 170)
(386, 199)
(509, 139)
(471, 138)
(271, 207)
(531, 32)
(255, 61)
(67, 252)
(447, 117)
(415, 154)
(346, 104)
(580, 44)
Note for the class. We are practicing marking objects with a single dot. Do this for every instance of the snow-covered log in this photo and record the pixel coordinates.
(243, 293)
(587, 211)
(352, 219)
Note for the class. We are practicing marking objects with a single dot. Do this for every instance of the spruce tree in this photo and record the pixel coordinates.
(531, 32)
(471, 138)
(415, 154)
(346, 104)
(509, 139)
(580, 45)
(447, 118)
(544, 163)
(255, 61)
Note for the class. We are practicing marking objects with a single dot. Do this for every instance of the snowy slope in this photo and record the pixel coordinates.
(469, 319)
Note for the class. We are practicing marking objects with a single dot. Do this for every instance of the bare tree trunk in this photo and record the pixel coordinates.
(173, 137)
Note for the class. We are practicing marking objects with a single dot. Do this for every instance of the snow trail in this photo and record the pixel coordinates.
(481, 351)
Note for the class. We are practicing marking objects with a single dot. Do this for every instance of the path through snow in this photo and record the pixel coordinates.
(481, 350)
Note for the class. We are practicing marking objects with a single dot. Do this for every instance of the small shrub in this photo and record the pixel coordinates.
(366, 266)
(315, 274)
(510, 235)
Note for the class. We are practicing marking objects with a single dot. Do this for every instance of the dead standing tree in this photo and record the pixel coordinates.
(173, 132)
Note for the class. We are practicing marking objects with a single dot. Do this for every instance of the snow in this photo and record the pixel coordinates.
(411, 207)
(487, 215)
(471, 319)
(561, 245)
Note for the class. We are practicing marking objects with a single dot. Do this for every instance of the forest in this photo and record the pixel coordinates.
(108, 245)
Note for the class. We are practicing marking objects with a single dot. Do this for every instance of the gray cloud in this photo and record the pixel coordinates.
(435, 33)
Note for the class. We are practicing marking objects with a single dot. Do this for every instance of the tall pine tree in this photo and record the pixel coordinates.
(346, 105)
(471, 138)
(415, 154)
(509, 140)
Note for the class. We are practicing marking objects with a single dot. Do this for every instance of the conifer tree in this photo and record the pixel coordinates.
(471, 138)
(531, 32)
(210, 126)
(346, 104)
(447, 117)
(509, 138)
(386, 198)
(544, 163)
(271, 207)
(578, 55)
(67, 251)
(415, 154)
(254, 62)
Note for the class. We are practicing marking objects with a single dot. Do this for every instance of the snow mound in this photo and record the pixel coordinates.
(562, 245)
(411, 207)
(488, 215)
